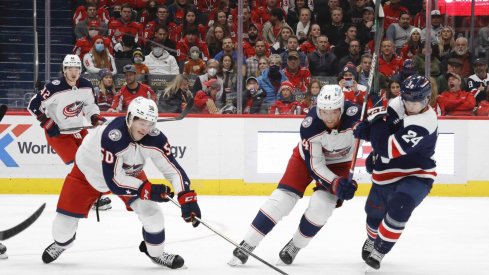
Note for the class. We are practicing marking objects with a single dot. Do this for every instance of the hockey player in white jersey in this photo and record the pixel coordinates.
(111, 159)
(65, 103)
(403, 139)
(324, 155)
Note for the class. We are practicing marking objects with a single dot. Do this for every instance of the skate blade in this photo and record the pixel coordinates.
(234, 262)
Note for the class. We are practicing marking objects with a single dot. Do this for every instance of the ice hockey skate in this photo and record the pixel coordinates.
(374, 259)
(172, 261)
(367, 248)
(52, 252)
(103, 204)
(240, 257)
(3, 252)
(288, 253)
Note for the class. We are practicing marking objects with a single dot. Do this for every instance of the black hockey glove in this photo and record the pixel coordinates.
(49, 125)
(343, 188)
(369, 163)
(362, 130)
(97, 119)
(190, 208)
(154, 192)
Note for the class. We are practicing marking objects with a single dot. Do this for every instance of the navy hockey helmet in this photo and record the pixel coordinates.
(416, 88)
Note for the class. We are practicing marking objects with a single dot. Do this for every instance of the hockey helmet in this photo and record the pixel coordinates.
(416, 88)
(330, 98)
(142, 108)
(72, 60)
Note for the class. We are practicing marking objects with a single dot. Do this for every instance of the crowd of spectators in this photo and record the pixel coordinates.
(289, 47)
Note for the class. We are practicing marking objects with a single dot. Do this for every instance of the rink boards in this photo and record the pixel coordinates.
(238, 155)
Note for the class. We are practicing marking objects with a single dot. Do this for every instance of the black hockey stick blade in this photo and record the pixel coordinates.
(3, 110)
(190, 104)
(9, 233)
(230, 241)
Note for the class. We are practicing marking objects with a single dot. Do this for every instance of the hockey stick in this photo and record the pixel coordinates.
(379, 28)
(231, 241)
(190, 104)
(3, 110)
(9, 233)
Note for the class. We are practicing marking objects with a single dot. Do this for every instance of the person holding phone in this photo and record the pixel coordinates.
(353, 91)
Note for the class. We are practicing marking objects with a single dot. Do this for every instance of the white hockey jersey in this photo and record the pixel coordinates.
(66, 105)
(112, 161)
(321, 146)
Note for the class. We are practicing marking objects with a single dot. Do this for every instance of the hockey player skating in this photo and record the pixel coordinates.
(63, 103)
(324, 154)
(124, 146)
(403, 169)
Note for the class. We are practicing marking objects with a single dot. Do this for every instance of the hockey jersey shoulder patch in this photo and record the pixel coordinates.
(352, 110)
(55, 82)
(115, 135)
(307, 122)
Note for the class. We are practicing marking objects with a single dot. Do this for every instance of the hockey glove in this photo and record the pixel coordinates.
(154, 192)
(343, 188)
(362, 130)
(369, 163)
(376, 113)
(190, 208)
(49, 125)
(97, 120)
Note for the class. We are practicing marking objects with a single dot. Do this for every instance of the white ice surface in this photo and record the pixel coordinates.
(444, 236)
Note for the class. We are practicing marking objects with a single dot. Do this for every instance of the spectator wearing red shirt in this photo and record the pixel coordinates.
(392, 12)
(419, 20)
(299, 76)
(310, 44)
(191, 39)
(125, 25)
(161, 19)
(455, 101)
(413, 44)
(177, 10)
(91, 11)
(205, 100)
(190, 20)
(262, 11)
(84, 44)
(286, 103)
(389, 63)
(130, 91)
(353, 91)
(81, 28)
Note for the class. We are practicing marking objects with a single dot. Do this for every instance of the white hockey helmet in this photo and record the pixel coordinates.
(72, 60)
(330, 98)
(142, 108)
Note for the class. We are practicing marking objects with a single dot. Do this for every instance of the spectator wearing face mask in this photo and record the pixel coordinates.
(271, 79)
(195, 65)
(99, 57)
(211, 73)
(159, 61)
(137, 60)
(84, 44)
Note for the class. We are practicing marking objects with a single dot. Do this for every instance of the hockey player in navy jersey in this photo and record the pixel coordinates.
(324, 155)
(65, 103)
(403, 139)
(111, 159)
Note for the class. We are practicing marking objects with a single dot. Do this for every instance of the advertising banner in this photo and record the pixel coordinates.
(463, 7)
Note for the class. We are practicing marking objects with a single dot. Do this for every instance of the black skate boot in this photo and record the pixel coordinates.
(3, 252)
(240, 257)
(367, 248)
(52, 252)
(288, 253)
(172, 261)
(103, 204)
(374, 259)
